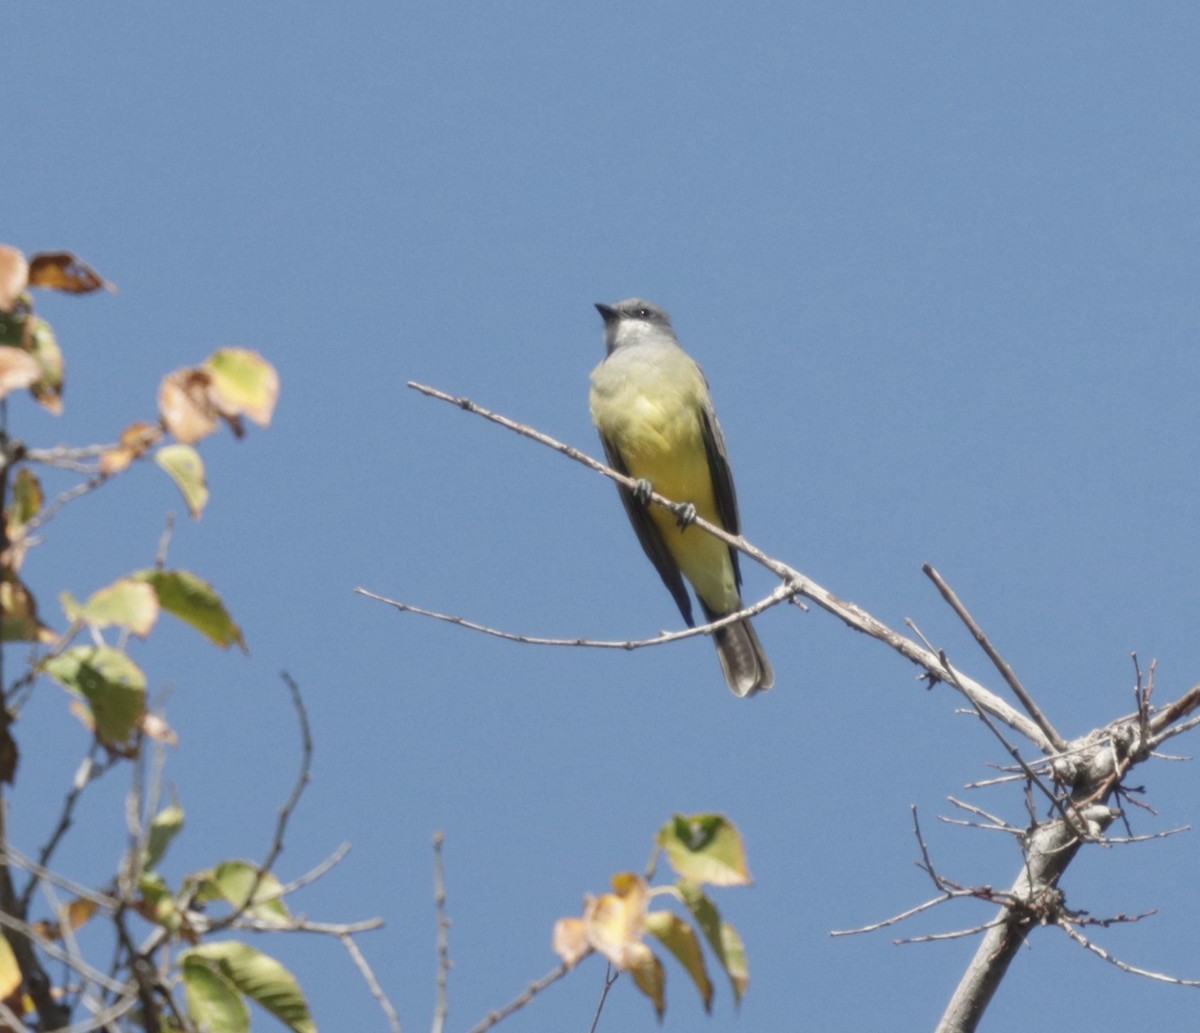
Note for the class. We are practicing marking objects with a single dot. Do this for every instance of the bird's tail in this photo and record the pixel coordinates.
(747, 669)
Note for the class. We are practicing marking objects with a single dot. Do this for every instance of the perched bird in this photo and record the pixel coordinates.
(651, 405)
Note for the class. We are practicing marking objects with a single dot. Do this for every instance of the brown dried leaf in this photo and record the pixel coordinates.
(135, 441)
(18, 614)
(14, 275)
(62, 271)
(184, 404)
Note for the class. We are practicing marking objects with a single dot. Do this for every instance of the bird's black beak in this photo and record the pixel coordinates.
(607, 312)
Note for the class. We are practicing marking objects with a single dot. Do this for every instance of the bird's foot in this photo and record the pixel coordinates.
(643, 491)
(685, 515)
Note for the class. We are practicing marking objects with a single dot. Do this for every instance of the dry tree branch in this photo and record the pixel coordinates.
(1001, 665)
(779, 595)
(364, 969)
(793, 582)
(611, 975)
(903, 916)
(521, 1001)
(1133, 970)
(285, 812)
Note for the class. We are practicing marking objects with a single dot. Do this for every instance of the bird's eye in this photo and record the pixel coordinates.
(643, 313)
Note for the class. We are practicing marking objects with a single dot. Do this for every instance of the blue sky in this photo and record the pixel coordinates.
(939, 264)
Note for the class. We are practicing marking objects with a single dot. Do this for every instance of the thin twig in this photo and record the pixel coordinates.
(793, 581)
(311, 876)
(981, 813)
(611, 975)
(957, 934)
(286, 925)
(905, 915)
(1133, 970)
(286, 811)
(517, 1003)
(1001, 665)
(443, 934)
(1013, 752)
(87, 773)
(779, 595)
(927, 867)
(364, 969)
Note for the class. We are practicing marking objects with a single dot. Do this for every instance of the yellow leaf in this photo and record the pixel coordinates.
(243, 384)
(570, 940)
(616, 921)
(10, 971)
(647, 972)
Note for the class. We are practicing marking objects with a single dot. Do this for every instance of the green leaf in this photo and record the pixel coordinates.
(244, 384)
(721, 937)
(194, 602)
(705, 849)
(677, 936)
(232, 881)
(27, 497)
(733, 953)
(165, 827)
(185, 467)
(113, 685)
(124, 604)
(213, 1001)
(12, 324)
(41, 343)
(262, 979)
(651, 978)
(157, 903)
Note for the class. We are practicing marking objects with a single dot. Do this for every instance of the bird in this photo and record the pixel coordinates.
(651, 404)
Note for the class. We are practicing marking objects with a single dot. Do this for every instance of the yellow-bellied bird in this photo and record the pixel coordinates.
(651, 404)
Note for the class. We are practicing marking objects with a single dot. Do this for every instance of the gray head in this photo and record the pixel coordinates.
(634, 321)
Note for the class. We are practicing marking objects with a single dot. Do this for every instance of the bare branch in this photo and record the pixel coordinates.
(957, 934)
(530, 992)
(1133, 970)
(981, 813)
(368, 975)
(286, 811)
(611, 975)
(1033, 777)
(1001, 665)
(905, 915)
(793, 581)
(779, 595)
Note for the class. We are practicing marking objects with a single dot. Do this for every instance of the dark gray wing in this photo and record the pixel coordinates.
(722, 478)
(652, 542)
